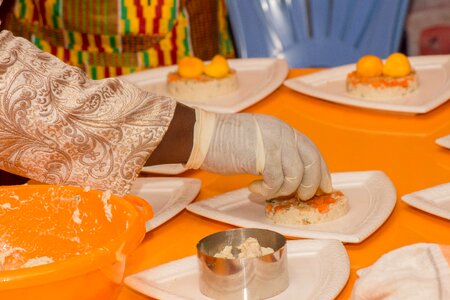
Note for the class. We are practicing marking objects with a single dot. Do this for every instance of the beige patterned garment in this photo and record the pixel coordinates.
(58, 126)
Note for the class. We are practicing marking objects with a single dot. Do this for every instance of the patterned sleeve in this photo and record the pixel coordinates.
(57, 126)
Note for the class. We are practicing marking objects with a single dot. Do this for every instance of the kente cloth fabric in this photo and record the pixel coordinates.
(115, 37)
(58, 126)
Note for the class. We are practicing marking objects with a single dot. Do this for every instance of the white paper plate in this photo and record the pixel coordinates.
(434, 200)
(444, 141)
(318, 269)
(258, 77)
(167, 196)
(371, 197)
(168, 169)
(434, 86)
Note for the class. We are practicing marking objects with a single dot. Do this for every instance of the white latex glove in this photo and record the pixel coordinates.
(415, 272)
(260, 145)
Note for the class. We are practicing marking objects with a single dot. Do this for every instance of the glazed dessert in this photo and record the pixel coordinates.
(319, 209)
(195, 81)
(378, 81)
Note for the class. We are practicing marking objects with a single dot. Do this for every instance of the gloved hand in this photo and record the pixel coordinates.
(262, 145)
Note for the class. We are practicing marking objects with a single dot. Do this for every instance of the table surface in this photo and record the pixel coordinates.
(350, 139)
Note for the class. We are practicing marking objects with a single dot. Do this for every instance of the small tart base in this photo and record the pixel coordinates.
(319, 209)
(381, 88)
(201, 89)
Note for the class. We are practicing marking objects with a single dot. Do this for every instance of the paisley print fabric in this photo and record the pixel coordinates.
(58, 126)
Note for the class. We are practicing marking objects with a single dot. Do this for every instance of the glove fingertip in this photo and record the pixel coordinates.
(257, 187)
(326, 188)
(325, 183)
(304, 194)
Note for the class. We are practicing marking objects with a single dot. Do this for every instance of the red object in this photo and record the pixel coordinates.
(435, 40)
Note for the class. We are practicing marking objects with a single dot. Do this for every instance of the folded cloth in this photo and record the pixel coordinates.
(418, 271)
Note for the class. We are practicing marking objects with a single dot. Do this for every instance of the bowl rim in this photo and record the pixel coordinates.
(113, 251)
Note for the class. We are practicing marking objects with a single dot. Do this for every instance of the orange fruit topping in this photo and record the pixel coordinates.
(322, 202)
(190, 67)
(396, 65)
(369, 66)
(218, 67)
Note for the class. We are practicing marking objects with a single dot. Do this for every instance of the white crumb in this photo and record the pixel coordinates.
(5, 253)
(225, 253)
(6, 205)
(106, 205)
(76, 216)
(250, 248)
(37, 261)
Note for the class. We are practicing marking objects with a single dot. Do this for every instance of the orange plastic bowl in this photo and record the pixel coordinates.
(65, 243)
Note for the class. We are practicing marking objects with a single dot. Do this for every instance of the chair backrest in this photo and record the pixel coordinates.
(317, 33)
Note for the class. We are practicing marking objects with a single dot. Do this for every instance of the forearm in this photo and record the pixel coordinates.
(58, 126)
(176, 145)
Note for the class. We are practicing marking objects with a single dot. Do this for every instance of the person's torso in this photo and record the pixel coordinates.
(107, 38)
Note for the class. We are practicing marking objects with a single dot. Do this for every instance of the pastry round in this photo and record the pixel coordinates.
(381, 88)
(201, 88)
(319, 209)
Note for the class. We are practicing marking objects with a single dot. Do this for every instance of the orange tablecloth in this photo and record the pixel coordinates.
(350, 139)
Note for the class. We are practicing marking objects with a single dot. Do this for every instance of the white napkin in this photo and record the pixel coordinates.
(418, 271)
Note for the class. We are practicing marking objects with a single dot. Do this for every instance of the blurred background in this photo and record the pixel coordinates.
(427, 28)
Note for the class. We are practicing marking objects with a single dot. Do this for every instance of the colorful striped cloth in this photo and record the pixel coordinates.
(115, 37)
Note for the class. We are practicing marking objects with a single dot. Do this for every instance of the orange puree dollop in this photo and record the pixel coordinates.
(190, 67)
(396, 65)
(369, 66)
(218, 67)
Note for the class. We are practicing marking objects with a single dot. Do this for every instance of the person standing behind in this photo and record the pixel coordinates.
(116, 37)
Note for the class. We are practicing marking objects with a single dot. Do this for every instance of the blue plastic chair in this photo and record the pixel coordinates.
(317, 33)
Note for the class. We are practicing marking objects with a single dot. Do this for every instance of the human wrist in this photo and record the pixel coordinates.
(204, 129)
(232, 148)
(176, 145)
